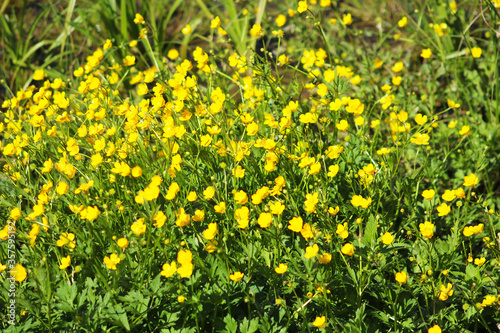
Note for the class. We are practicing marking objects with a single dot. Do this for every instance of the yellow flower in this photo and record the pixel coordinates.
(19, 273)
(192, 196)
(480, 261)
(302, 6)
(314, 168)
(281, 269)
(428, 194)
(334, 211)
(237, 276)
(359, 201)
(459, 193)
(169, 269)
(107, 45)
(136, 171)
(470, 180)
(377, 63)
(426, 53)
(211, 231)
(90, 213)
(277, 208)
(445, 292)
(205, 140)
(65, 262)
(184, 257)
(398, 67)
(420, 139)
(215, 23)
(387, 238)
(173, 54)
(186, 270)
(443, 209)
(333, 170)
(311, 251)
(15, 213)
(138, 19)
(186, 30)
(348, 249)
(199, 215)
(319, 322)
(403, 22)
(265, 219)
(488, 300)
(183, 219)
(465, 130)
(306, 232)
(160, 219)
(256, 31)
(173, 189)
(129, 61)
(211, 246)
(112, 261)
(241, 197)
(476, 52)
(47, 166)
(419, 119)
(401, 277)
(66, 239)
(343, 125)
(343, 230)
(138, 227)
(434, 329)
(325, 258)
(396, 80)
(209, 193)
(295, 224)
(448, 195)
(238, 172)
(39, 75)
(452, 105)
(346, 19)
(220, 208)
(281, 20)
(471, 230)
(426, 229)
(122, 243)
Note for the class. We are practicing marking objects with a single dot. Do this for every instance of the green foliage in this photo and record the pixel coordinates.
(320, 139)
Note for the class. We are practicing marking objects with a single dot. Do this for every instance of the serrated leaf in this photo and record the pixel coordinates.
(231, 324)
(472, 273)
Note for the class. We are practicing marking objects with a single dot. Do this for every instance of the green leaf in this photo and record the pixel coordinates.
(251, 326)
(472, 273)
(231, 324)
(370, 231)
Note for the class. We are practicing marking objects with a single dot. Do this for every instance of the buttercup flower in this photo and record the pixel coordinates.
(311, 251)
(65, 262)
(320, 322)
(19, 273)
(470, 180)
(237, 276)
(387, 238)
(428, 194)
(325, 258)
(348, 249)
(401, 277)
(112, 261)
(281, 269)
(434, 329)
(426, 229)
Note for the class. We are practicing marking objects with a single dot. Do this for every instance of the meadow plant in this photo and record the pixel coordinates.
(297, 167)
